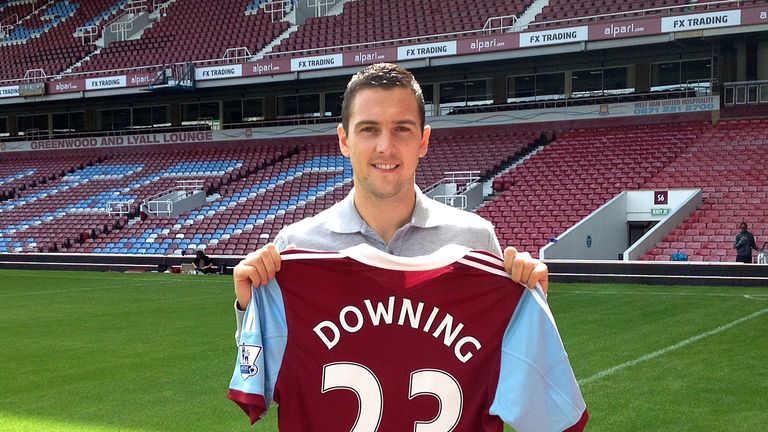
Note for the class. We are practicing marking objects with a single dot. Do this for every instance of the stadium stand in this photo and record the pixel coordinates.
(61, 204)
(170, 40)
(367, 21)
(471, 149)
(44, 38)
(728, 163)
(576, 174)
(54, 212)
(250, 187)
(18, 175)
(61, 201)
(563, 10)
(270, 196)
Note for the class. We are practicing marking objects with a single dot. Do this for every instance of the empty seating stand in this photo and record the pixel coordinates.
(470, 149)
(368, 21)
(254, 190)
(576, 174)
(728, 164)
(192, 30)
(53, 212)
(41, 36)
(562, 12)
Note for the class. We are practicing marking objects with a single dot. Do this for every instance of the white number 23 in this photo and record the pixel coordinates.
(364, 383)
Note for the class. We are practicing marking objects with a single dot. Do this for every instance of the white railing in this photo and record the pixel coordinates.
(321, 6)
(137, 6)
(161, 7)
(32, 132)
(34, 75)
(462, 180)
(745, 93)
(165, 206)
(6, 25)
(276, 9)
(160, 207)
(236, 54)
(10, 20)
(120, 208)
(120, 29)
(87, 32)
(500, 23)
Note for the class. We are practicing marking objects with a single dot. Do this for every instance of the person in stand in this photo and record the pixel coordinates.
(203, 263)
(744, 244)
(383, 133)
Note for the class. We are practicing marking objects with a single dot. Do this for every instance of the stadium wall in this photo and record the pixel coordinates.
(102, 262)
(639, 272)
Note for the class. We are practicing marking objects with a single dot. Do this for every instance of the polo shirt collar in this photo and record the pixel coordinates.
(345, 219)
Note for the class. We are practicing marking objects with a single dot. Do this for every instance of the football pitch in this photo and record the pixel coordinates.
(108, 352)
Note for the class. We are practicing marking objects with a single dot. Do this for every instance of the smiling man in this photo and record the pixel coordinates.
(386, 139)
(384, 134)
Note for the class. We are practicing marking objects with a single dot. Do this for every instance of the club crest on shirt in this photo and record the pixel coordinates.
(248, 356)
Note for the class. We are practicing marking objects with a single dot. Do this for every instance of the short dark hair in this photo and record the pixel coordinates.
(385, 76)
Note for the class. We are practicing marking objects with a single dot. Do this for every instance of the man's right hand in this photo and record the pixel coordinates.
(257, 269)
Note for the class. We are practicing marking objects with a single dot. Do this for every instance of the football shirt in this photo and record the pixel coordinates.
(364, 341)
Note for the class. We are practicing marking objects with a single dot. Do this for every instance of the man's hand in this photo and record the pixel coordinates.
(258, 268)
(526, 270)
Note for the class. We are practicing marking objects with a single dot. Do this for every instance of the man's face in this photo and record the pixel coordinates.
(384, 142)
(743, 227)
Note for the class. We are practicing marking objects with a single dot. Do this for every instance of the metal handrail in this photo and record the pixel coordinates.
(571, 101)
(120, 208)
(490, 21)
(463, 180)
(275, 9)
(157, 207)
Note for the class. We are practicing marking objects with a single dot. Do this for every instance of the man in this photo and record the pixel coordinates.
(744, 244)
(384, 135)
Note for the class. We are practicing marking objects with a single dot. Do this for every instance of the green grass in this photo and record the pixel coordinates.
(108, 352)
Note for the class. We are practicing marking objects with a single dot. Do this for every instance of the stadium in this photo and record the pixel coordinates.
(620, 141)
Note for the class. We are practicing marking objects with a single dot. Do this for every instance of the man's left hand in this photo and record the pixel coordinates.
(526, 270)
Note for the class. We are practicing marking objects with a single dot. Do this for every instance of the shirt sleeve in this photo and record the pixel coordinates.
(281, 244)
(261, 346)
(537, 390)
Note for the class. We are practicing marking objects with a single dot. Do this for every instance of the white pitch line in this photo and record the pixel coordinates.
(24, 294)
(655, 293)
(105, 279)
(613, 370)
(107, 276)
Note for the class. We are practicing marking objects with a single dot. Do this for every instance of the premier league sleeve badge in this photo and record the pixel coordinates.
(249, 354)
